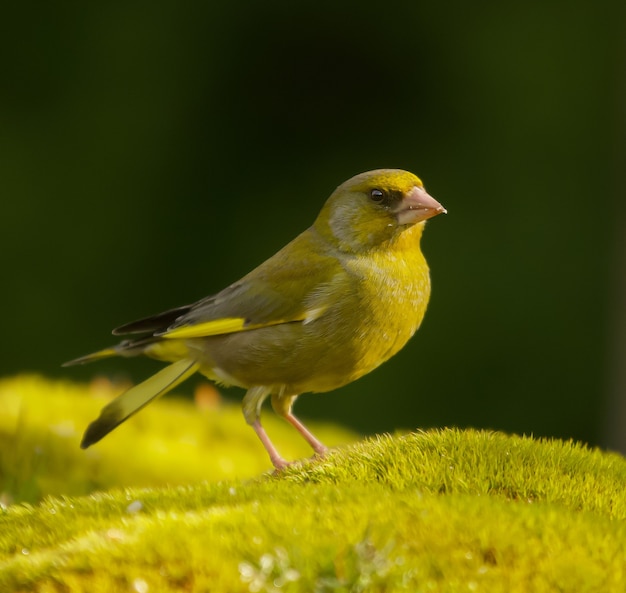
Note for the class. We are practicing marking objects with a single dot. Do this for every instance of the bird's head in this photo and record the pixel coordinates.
(376, 207)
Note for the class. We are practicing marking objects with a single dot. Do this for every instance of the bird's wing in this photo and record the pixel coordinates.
(295, 285)
(153, 323)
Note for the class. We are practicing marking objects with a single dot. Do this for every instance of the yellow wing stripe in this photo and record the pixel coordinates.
(227, 325)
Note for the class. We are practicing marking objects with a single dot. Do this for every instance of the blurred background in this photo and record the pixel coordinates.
(152, 153)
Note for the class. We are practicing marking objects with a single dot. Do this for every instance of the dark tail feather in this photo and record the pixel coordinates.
(127, 348)
(106, 353)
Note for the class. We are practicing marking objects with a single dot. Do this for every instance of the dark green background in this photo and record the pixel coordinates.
(151, 153)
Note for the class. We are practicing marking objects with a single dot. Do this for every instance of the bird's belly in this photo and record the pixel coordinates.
(337, 348)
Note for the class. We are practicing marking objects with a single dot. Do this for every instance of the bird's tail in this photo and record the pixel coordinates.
(126, 348)
(106, 353)
(136, 398)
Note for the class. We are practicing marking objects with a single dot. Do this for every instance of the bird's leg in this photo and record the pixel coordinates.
(277, 460)
(319, 447)
(282, 406)
(252, 402)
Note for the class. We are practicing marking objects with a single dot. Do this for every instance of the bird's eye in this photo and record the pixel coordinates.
(377, 195)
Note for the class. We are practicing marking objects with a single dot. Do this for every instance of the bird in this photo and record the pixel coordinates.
(337, 301)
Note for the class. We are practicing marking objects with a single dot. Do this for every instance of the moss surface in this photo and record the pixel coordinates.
(444, 510)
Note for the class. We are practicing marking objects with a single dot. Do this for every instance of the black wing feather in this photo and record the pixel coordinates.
(152, 324)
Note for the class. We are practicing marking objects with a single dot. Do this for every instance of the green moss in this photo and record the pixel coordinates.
(441, 511)
(171, 442)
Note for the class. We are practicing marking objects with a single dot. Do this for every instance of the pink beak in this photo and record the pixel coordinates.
(417, 206)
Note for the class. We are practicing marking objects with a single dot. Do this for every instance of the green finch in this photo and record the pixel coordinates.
(333, 304)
